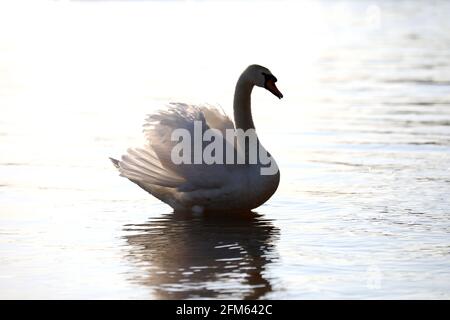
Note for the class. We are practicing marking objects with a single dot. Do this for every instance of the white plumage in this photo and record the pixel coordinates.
(201, 187)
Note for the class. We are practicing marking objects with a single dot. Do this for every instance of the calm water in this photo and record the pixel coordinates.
(362, 139)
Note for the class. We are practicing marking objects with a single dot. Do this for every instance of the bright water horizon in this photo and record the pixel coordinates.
(362, 139)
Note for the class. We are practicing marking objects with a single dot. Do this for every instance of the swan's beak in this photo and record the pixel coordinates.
(270, 85)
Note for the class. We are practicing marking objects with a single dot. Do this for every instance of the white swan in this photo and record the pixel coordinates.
(203, 187)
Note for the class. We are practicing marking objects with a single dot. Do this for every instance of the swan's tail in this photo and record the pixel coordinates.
(115, 162)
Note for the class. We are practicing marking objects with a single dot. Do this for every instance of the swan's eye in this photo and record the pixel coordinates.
(267, 78)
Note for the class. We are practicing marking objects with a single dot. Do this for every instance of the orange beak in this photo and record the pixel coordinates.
(270, 85)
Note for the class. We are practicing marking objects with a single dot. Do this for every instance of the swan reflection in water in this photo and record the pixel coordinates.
(184, 256)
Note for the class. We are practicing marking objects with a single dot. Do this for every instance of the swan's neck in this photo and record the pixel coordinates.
(242, 104)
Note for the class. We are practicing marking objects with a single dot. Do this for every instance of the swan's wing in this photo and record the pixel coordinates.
(216, 118)
(158, 130)
(143, 167)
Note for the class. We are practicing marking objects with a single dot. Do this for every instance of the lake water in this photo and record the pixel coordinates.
(362, 139)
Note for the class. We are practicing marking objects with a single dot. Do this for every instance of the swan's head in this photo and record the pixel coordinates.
(262, 77)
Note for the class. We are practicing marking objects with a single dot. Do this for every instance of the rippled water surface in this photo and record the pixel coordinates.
(362, 139)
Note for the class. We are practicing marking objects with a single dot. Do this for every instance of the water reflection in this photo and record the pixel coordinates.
(212, 256)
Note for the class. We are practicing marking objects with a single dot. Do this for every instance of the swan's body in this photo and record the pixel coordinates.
(202, 187)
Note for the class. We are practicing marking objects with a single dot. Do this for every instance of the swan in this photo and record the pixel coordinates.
(203, 187)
